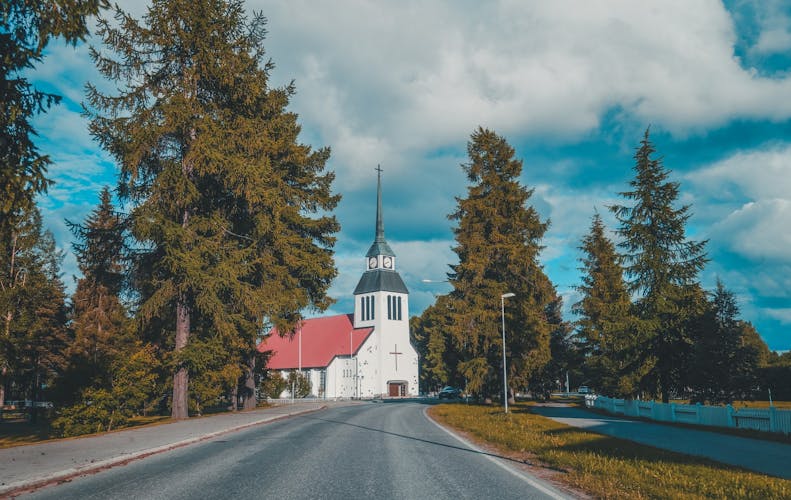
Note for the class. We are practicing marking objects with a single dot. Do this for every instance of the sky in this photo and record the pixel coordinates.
(572, 85)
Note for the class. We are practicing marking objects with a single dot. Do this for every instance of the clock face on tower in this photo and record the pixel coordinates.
(372, 263)
(387, 262)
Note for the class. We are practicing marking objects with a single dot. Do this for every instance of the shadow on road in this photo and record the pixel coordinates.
(421, 440)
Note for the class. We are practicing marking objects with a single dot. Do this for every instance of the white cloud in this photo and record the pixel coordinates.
(409, 75)
(782, 315)
(758, 174)
(759, 230)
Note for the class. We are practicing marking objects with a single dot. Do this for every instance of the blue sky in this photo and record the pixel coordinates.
(571, 85)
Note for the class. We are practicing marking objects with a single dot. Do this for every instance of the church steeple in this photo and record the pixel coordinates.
(380, 225)
(379, 246)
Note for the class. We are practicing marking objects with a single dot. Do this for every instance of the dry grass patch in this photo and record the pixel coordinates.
(604, 466)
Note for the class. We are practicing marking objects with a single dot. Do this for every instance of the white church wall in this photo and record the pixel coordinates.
(342, 377)
(367, 362)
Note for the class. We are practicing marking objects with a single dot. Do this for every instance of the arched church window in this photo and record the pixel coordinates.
(399, 309)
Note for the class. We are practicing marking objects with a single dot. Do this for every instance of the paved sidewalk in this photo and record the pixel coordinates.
(37, 464)
(766, 457)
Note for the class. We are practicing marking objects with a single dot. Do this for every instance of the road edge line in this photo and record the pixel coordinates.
(534, 482)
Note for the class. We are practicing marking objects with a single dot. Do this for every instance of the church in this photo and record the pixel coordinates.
(365, 354)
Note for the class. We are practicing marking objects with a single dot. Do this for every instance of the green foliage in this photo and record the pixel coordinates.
(102, 330)
(605, 327)
(728, 352)
(299, 383)
(32, 307)
(214, 372)
(663, 266)
(439, 354)
(498, 241)
(134, 390)
(27, 27)
(272, 385)
(565, 354)
(232, 211)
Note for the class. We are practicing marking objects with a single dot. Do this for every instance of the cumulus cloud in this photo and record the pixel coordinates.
(758, 230)
(411, 75)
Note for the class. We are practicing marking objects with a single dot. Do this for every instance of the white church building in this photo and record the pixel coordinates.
(366, 354)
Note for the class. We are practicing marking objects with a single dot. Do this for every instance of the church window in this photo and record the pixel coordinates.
(399, 309)
(373, 312)
(362, 308)
(389, 307)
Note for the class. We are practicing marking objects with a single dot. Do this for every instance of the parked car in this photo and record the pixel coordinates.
(449, 392)
(584, 389)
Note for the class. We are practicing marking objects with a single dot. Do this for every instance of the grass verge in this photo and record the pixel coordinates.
(603, 466)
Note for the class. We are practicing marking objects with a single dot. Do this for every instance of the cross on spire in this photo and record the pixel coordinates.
(395, 354)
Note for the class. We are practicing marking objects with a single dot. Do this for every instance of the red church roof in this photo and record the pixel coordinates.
(322, 340)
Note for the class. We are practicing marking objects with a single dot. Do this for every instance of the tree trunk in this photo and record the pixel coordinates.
(234, 397)
(249, 384)
(181, 378)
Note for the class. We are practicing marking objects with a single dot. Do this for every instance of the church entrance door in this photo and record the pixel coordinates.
(396, 389)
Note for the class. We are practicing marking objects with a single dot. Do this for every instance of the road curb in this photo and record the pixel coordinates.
(29, 485)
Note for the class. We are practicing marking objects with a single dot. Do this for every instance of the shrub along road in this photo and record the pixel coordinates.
(758, 455)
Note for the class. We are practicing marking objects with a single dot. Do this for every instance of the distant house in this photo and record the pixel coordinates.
(365, 354)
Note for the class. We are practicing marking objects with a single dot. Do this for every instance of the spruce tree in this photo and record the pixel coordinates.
(100, 323)
(728, 351)
(604, 327)
(225, 198)
(26, 29)
(663, 266)
(498, 241)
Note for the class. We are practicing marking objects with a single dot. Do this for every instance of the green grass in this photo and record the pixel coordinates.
(603, 466)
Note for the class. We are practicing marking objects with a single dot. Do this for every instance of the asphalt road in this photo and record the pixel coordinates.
(373, 450)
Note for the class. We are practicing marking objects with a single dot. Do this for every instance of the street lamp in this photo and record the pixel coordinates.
(505, 375)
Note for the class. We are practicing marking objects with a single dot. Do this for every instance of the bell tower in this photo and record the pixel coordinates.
(381, 301)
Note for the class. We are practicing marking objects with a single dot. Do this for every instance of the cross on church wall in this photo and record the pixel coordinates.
(379, 169)
(395, 354)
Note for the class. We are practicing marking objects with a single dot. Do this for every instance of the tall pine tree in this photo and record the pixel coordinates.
(663, 266)
(99, 319)
(225, 198)
(498, 241)
(605, 328)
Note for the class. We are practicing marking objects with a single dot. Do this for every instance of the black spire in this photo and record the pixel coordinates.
(380, 246)
(380, 225)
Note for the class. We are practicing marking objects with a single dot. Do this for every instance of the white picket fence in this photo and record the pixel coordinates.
(759, 419)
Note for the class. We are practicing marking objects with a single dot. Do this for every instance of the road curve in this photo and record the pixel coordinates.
(373, 450)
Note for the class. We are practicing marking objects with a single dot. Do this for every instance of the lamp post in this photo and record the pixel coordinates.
(505, 373)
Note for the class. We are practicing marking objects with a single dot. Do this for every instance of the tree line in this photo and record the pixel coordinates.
(227, 228)
(645, 326)
(224, 228)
